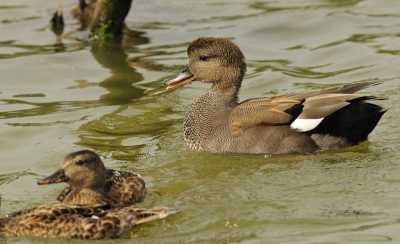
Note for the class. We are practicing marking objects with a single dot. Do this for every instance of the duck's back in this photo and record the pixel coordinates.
(215, 124)
(66, 221)
(92, 222)
(122, 188)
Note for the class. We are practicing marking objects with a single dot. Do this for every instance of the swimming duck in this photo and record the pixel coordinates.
(105, 186)
(86, 212)
(294, 123)
(77, 221)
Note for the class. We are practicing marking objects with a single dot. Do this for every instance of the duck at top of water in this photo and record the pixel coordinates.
(303, 122)
(86, 212)
(108, 186)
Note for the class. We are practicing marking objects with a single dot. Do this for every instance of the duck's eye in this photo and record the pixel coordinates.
(80, 162)
(203, 58)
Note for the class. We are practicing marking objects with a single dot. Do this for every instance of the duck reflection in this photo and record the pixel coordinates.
(108, 53)
(133, 127)
(112, 56)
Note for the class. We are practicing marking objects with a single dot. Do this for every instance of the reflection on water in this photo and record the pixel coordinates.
(62, 93)
(113, 57)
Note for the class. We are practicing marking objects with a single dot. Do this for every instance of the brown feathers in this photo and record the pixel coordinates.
(88, 209)
(262, 110)
(92, 183)
(123, 188)
(78, 221)
(293, 123)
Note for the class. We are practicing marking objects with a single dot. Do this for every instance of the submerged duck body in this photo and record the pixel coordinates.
(77, 221)
(86, 211)
(294, 123)
(107, 186)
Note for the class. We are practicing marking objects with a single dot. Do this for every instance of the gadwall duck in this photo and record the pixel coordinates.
(87, 212)
(77, 221)
(295, 123)
(105, 186)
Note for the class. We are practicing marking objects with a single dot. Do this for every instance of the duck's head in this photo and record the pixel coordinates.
(211, 60)
(81, 169)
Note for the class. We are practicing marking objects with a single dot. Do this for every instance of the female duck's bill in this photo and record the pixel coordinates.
(56, 177)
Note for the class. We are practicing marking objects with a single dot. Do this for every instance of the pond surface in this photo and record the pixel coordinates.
(59, 95)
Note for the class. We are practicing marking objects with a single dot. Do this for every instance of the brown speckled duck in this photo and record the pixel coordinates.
(105, 186)
(87, 212)
(77, 221)
(294, 123)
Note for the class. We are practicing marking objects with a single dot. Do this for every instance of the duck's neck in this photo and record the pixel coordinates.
(229, 88)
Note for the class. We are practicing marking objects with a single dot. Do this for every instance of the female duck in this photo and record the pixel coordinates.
(295, 123)
(90, 177)
(77, 221)
(86, 212)
(119, 187)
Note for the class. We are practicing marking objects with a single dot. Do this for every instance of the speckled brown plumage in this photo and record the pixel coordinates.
(90, 206)
(77, 221)
(103, 186)
(123, 188)
(295, 123)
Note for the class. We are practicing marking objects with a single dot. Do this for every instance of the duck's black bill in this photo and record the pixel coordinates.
(57, 177)
(182, 78)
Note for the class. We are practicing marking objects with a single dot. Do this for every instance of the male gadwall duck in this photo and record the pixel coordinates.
(87, 212)
(295, 123)
(105, 186)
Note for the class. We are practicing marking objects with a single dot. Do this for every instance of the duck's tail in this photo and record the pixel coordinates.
(353, 123)
(147, 215)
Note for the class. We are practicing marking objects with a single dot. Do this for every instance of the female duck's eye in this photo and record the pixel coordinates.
(203, 58)
(80, 162)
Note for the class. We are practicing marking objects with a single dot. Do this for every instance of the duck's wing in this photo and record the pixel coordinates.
(65, 221)
(303, 111)
(79, 221)
(260, 112)
(49, 208)
(20, 212)
(125, 188)
(146, 215)
(343, 89)
(62, 221)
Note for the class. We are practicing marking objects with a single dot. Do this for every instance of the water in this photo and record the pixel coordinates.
(62, 95)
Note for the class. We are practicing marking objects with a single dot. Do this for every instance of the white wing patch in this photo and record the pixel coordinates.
(305, 124)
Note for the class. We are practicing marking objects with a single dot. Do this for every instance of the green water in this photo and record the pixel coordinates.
(62, 95)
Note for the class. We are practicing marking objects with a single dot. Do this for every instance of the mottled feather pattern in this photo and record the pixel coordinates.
(78, 221)
(126, 188)
(87, 210)
(207, 128)
(123, 188)
(202, 122)
(216, 122)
